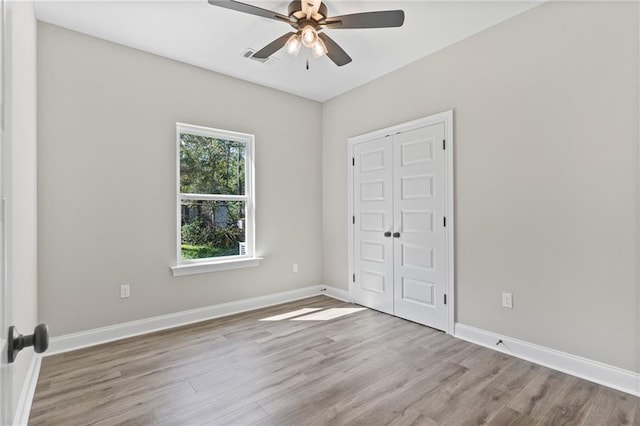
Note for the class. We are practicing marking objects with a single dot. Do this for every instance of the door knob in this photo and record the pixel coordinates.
(387, 234)
(39, 340)
(396, 235)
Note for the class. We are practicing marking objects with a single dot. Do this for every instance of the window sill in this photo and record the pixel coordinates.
(219, 265)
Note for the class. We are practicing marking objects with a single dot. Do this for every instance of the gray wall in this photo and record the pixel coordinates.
(546, 151)
(107, 207)
(21, 180)
(546, 169)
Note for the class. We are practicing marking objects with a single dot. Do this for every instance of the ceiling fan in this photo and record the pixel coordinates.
(309, 18)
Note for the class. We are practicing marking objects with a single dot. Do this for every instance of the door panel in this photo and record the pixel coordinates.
(416, 187)
(399, 189)
(419, 205)
(417, 291)
(373, 211)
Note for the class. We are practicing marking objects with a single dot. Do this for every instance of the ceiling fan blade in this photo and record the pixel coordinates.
(272, 47)
(382, 19)
(334, 51)
(247, 8)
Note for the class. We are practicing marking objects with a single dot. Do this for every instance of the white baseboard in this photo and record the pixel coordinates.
(336, 293)
(594, 371)
(23, 409)
(101, 335)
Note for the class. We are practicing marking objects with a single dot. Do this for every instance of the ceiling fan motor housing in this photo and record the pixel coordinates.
(295, 11)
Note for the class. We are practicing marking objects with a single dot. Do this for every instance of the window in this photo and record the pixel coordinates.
(215, 200)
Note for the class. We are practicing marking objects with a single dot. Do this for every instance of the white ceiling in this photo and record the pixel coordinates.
(214, 38)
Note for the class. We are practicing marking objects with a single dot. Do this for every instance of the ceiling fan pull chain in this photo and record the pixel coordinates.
(307, 64)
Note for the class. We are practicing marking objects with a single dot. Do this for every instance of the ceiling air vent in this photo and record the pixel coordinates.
(248, 53)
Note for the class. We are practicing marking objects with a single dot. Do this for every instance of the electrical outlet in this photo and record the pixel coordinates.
(507, 300)
(295, 267)
(124, 291)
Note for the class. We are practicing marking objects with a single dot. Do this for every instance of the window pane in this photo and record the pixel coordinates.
(212, 228)
(211, 166)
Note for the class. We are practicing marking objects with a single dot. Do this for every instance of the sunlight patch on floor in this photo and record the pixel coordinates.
(328, 314)
(314, 314)
(291, 314)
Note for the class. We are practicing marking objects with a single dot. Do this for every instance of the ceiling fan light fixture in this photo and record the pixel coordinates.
(318, 49)
(308, 17)
(293, 45)
(309, 35)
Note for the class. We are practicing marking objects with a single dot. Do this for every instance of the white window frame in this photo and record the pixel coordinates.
(196, 266)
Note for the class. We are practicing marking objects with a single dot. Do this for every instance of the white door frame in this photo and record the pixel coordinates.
(6, 370)
(445, 117)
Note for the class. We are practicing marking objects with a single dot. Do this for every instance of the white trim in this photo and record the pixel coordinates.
(350, 219)
(594, 371)
(28, 391)
(213, 266)
(336, 293)
(445, 117)
(450, 215)
(214, 197)
(101, 335)
(210, 132)
(440, 117)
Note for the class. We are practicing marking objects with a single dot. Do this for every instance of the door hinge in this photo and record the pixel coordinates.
(354, 278)
(353, 161)
(354, 220)
(444, 221)
(444, 144)
(445, 299)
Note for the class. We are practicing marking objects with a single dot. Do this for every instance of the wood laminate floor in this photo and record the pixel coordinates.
(365, 368)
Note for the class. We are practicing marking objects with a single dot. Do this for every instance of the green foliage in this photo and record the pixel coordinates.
(196, 233)
(227, 237)
(200, 240)
(202, 252)
(211, 166)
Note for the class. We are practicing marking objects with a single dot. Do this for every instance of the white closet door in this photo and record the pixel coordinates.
(419, 238)
(373, 211)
